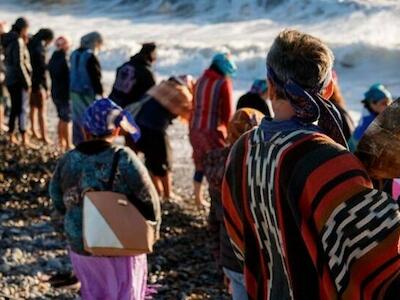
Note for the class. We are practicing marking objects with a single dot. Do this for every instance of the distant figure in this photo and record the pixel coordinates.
(256, 98)
(59, 73)
(89, 166)
(135, 77)
(3, 87)
(338, 100)
(213, 101)
(85, 80)
(38, 101)
(214, 169)
(172, 98)
(377, 98)
(18, 77)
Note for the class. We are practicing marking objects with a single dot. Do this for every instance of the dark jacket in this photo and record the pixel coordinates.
(59, 74)
(17, 61)
(253, 100)
(93, 71)
(37, 52)
(134, 78)
(153, 115)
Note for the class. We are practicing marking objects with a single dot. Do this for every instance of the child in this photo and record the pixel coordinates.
(212, 103)
(214, 168)
(88, 167)
(59, 73)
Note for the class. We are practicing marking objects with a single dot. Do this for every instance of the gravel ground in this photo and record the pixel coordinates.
(32, 245)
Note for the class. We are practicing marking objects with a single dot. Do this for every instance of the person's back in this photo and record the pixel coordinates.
(299, 207)
(97, 165)
(212, 107)
(135, 77)
(59, 74)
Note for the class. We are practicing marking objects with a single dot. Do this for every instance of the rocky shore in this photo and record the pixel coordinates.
(32, 247)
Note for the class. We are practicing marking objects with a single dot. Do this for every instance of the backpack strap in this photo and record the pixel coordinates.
(113, 169)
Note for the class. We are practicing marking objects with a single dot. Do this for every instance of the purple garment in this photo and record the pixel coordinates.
(111, 278)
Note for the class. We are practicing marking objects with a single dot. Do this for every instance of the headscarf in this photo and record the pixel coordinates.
(90, 40)
(103, 116)
(243, 120)
(224, 62)
(309, 106)
(259, 86)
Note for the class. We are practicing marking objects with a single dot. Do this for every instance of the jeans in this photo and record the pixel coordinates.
(19, 107)
(237, 284)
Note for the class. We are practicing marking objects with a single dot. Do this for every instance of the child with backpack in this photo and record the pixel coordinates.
(92, 166)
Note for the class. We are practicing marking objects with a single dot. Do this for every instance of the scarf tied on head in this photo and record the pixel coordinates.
(309, 106)
(104, 116)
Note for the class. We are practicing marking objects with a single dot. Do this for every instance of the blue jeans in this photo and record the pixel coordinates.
(237, 284)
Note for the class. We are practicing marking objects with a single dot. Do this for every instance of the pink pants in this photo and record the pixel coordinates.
(111, 278)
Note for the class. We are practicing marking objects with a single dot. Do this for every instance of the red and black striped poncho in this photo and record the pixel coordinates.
(303, 217)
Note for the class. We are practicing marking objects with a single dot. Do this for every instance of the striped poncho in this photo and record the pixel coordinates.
(303, 217)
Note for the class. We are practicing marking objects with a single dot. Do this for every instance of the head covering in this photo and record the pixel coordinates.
(20, 24)
(376, 93)
(62, 42)
(309, 106)
(104, 116)
(225, 63)
(243, 120)
(90, 40)
(259, 86)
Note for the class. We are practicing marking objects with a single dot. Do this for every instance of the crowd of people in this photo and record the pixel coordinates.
(293, 214)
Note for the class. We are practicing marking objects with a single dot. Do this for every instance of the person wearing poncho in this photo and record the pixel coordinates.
(299, 208)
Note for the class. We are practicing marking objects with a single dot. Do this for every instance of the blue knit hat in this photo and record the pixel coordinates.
(103, 116)
(376, 93)
(225, 63)
(259, 86)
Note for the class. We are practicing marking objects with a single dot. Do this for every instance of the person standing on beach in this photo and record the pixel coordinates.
(171, 99)
(212, 110)
(299, 208)
(135, 77)
(18, 77)
(85, 80)
(89, 167)
(40, 92)
(59, 73)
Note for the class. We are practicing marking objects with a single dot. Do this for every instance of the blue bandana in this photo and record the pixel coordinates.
(104, 116)
(309, 106)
